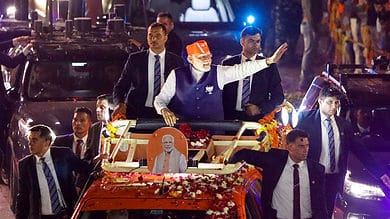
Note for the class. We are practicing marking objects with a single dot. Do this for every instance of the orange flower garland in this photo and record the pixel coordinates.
(221, 187)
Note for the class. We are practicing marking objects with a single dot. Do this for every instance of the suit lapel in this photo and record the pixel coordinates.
(313, 177)
(143, 63)
(167, 64)
(317, 136)
(340, 126)
(34, 174)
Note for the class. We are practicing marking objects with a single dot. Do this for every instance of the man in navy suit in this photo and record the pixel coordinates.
(35, 198)
(265, 88)
(82, 142)
(315, 124)
(277, 189)
(134, 92)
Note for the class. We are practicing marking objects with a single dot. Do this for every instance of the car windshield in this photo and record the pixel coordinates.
(196, 11)
(69, 80)
(142, 214)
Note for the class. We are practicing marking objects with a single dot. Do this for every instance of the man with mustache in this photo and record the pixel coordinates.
(283, 171)
(331, 139)
(195, 91)
(143, 75)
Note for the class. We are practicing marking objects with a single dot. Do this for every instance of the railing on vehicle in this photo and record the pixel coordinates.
(216, 152)
(127, 150)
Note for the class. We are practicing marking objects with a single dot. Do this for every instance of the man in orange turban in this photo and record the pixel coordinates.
(194, 92)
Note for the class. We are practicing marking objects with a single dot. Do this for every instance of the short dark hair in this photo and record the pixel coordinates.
(165, 14)
(157, 25)
(85, 110)
(295, 134)
(107, 97)
(44, 131)
(329, 91)
(250, 31)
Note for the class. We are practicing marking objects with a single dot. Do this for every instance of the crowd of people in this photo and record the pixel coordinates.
(155, 83)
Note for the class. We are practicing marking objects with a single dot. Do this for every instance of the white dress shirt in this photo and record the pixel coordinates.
(240, 84)
(151, 61)
(43, 186)
(325, 157)
(225, 75)
(283, 195)
(83, 147)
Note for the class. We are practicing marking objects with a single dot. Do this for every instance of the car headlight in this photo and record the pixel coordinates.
(362, 190)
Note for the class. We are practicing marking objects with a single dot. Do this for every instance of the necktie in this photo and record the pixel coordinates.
(54, 198)
(157, 75)
(332, 156)
(79, 147)
(296, 199)
(246, 91)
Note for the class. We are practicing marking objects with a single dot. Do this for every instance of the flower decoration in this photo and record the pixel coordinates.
(196, 139)
(275, 131)
(186, 186)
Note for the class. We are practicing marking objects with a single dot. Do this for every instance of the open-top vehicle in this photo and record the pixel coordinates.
(126, 187)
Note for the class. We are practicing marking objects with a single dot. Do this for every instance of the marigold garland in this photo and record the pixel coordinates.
(187, 186)
(275, 131)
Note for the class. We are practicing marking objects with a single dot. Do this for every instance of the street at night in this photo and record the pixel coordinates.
(202, 109)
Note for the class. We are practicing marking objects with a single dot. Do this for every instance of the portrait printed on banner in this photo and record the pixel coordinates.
(167, 151)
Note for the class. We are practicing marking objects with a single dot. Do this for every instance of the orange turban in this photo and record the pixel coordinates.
(199, 47)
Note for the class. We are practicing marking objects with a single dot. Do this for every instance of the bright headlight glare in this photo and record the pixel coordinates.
(362, 190)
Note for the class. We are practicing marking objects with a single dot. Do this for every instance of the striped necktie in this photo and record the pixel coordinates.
(332, 156)
(157, 75)
(246, 90)
(54, 197)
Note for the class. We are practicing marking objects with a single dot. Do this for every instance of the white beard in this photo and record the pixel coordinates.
(202, 66)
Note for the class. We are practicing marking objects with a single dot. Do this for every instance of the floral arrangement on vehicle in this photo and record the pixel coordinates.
(196, 139)
(186, 186)
(274, 130)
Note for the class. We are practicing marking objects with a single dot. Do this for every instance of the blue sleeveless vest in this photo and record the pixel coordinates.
(197, 100)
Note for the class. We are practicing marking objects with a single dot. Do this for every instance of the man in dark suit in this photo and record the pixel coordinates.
(81, 124)
(331, 139)
(174, 43)
(136, 88)
(264, 88)
(38, 196)
(82, 143)
(103, 107)
(278, 188)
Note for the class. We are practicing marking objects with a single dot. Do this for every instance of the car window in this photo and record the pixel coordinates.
(253, 200)
(64, 80)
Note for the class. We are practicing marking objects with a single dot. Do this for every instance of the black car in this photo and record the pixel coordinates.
(366, 103)
(219, 22)
(64, 72)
